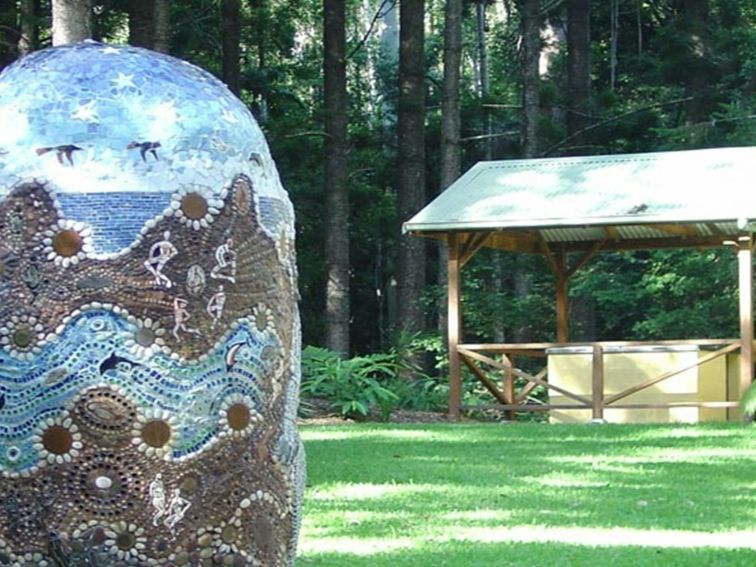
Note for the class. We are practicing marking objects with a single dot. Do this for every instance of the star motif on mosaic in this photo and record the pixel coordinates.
(111, 51)
(86, 112)
(229, 117)
(123, 81)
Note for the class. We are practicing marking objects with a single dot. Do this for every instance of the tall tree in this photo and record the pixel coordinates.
(450, 113)
(259, 10)
(162, 26)
(411, 161)
(231, 38)
(484, 82)
(29, 25)
(71, 21)
(578, 64)
(450, 123)
(531, 83)
(8, 32)
(149, 24)
(142, 23)
(695, 16)
(337, 196)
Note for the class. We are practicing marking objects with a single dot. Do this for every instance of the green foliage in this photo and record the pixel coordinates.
(642, 296)
(748, 403)
(352, 386)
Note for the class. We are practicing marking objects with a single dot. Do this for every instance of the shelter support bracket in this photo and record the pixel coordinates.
(557, 262)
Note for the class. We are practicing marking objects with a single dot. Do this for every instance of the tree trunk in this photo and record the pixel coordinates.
(142, 23)
(231, 37)
(531, 84)
(337, 196)
(8, 32)
(29, 24)
(614, 43)
(578, 65)
(162, 26)
(71, 21)
(411, 162)
(389, 55)
(259, 19)
(450, 127)
(480, 12)
(695, 19)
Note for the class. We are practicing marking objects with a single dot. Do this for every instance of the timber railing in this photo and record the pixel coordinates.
(495, 366)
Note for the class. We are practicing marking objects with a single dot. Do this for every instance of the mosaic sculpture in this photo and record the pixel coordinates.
(149, 334)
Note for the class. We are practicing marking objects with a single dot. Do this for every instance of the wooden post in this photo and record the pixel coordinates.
(745, 271)
(509, 386)
(454, 315)
(598, 382)
(562, 309)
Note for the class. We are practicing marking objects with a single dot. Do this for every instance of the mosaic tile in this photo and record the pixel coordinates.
(149, 334)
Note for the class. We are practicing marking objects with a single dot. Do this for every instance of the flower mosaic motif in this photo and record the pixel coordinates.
(149, 344)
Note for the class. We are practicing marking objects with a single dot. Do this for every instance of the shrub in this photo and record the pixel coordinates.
(352, 386)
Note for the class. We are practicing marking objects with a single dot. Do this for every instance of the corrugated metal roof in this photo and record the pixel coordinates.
(690, 187)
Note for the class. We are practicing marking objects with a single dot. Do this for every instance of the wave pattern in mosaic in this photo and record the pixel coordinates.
(149, 335)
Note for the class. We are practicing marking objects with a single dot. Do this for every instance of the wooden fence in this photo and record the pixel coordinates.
(499, 376)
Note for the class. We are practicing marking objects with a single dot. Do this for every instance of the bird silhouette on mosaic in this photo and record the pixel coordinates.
(144, 148)
(61, 152)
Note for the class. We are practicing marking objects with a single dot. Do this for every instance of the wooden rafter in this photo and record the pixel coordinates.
(682, 230)
(650, 243)
(612, 232)
(713, 228)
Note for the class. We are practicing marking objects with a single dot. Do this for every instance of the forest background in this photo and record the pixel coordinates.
(372, 107)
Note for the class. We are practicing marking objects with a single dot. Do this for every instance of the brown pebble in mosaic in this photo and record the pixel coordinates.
(194, 206)
(67, 243)
(156, 433)
(238, 416)
(57, 440)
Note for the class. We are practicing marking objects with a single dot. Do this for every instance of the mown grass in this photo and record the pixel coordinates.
(530, 495)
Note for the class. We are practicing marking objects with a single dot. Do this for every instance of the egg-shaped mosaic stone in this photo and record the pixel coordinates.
(149, 333)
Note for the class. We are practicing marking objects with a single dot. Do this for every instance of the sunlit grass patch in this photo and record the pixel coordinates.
(529, 494)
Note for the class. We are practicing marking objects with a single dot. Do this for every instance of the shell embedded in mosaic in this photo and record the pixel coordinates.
(149, 333)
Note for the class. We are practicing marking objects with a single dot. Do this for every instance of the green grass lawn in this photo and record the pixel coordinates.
(529, 494)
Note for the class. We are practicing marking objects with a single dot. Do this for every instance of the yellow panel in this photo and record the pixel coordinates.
(626, 369)
(733, 385)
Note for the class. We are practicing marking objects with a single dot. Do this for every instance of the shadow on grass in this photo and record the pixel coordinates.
(645, 477)
(372, 485)
(524, 555)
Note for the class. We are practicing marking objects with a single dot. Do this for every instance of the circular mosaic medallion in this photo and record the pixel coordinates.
(57, 440)
(145, 337)
(23, 337)
(238, 416)
(156, 433)
(194, 206)
(67, 243)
